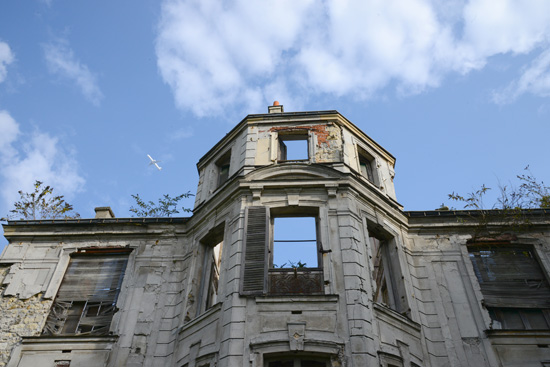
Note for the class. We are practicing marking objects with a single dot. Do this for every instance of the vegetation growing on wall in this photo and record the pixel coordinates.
(41, 204)
(513, 208)
(166, 206)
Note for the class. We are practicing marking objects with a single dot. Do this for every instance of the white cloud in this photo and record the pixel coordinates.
(216, 56)
(6, 58)
(534, 79)
(27, 157)
(181, 133)
(62, 61)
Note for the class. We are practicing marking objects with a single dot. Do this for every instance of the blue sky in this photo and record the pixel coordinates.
(457, 91)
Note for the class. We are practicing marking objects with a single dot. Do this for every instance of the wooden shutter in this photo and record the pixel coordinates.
(510, 276)
(255, 253)
(85, 302)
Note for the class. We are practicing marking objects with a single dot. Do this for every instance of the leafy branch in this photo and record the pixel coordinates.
(166, 206)
(509, 210)
(41, 204)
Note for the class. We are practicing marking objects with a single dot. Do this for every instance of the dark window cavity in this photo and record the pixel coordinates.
(367, 165)
(223, 165)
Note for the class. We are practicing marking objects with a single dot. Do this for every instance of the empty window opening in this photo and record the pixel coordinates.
(515, 289)
(388, 279)
(367, 165)
(85, 302)
(223, 165)
(293, 147)
(215, 259)
(295, 263)
(209, 271)
(295, 243)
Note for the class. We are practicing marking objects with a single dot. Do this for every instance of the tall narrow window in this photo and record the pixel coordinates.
(515, 288)
(85, 302)
(389, 286)
(209, 270)
(213, 268)
(293, 147)
(295, 257)
(367, 165)
(223, 165)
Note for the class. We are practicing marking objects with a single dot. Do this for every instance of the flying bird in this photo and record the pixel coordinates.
(154, 162)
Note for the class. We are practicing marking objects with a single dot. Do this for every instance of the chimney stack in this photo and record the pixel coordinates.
(276, 108)
(102, 212)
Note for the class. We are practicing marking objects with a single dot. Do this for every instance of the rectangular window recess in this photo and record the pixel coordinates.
(295, 243)
(293, 147)
(223, 165)
(367, 165)
(514, 286)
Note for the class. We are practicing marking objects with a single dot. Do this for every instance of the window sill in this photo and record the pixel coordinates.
(393, 317)
(68, 338)
(206, 314)
(67, 342)
(294, 160)
(517, 333)
(330, 298)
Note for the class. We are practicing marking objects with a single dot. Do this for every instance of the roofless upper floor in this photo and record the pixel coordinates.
(295, 138)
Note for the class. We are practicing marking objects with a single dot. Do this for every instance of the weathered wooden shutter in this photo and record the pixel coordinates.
(85, 302)
(255, 253)
(510, 276)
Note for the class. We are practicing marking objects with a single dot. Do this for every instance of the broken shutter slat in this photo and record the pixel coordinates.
(254, 273)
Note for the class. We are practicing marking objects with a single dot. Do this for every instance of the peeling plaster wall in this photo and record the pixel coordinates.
(449, 300)
(19, 318)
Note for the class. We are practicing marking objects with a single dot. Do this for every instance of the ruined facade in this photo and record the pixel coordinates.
(297, 254)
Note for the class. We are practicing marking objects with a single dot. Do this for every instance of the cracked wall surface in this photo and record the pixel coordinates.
(19, 318)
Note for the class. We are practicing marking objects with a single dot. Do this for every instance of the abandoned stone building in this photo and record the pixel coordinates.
(297, 254)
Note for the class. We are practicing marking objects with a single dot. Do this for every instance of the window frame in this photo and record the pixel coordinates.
(223, 167)
(521, 302)
(368, 160)
(388, 273)
(80, 308)
(295, 280)
(208, 244)
(258, 278)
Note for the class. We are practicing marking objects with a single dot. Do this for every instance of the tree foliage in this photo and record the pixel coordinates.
(530, 194)
(510, 211)
(166, 206)
(42, 204)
